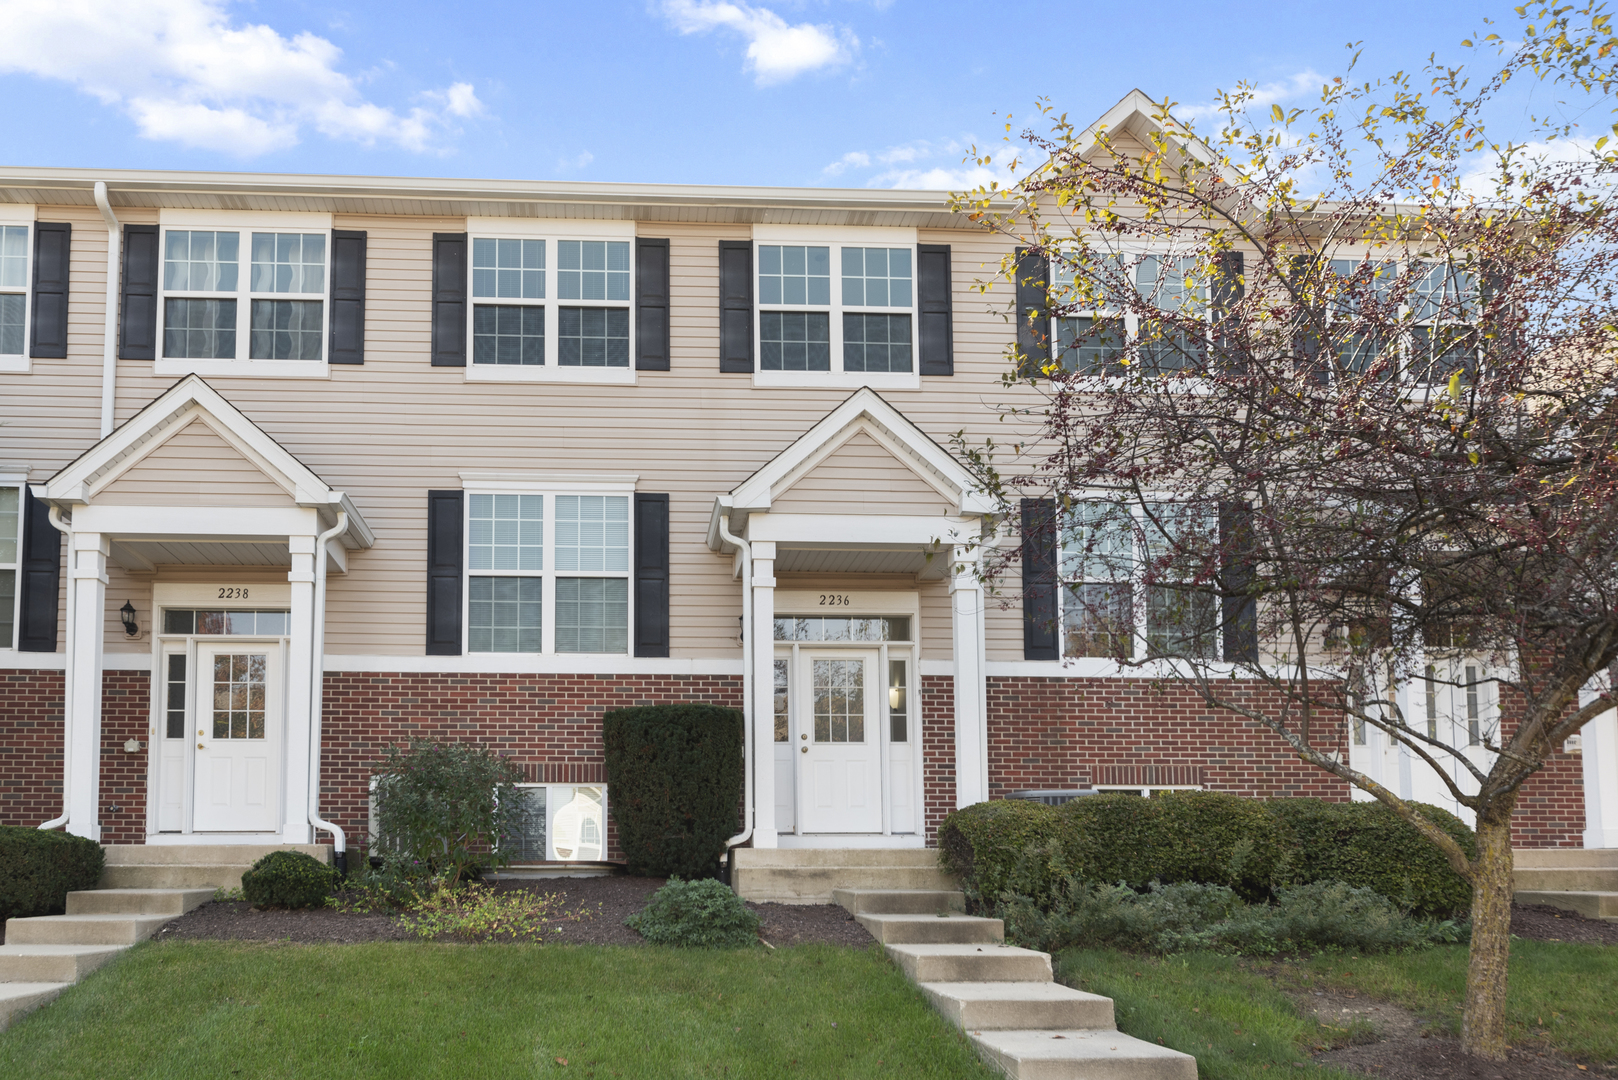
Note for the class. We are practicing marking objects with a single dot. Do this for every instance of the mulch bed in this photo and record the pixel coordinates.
(591, 911)
(1541, 922)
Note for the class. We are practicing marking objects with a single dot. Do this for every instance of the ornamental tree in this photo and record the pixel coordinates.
(1328, 400)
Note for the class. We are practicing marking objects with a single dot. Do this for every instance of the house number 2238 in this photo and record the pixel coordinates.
(833, 599)
(236, 593)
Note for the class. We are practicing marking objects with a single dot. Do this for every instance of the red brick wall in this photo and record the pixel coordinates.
(1550, 806)
(937, 751)
(125, 714)
(549, 723)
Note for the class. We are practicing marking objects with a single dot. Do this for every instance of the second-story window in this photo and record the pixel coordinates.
(508, 294)
(549, 306)
(842, 309)
(13, 290)
(10, 556)
(216, 308)
(1102, 339)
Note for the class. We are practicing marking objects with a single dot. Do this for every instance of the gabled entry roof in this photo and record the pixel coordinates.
(188, 403)
(864, 415)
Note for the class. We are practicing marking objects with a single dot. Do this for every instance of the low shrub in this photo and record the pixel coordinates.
(478, 912)
(1322, 916)
(289, 879)
(1366, 844)
(988, 844)
(1185, 836)
(675, 773)
(39, 868)
(444, 805)
(696, 914)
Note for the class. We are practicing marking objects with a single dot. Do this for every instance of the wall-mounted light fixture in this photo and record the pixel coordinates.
(896, 697)
(127, 613)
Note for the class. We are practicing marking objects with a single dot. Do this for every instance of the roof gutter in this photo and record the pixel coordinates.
(109, 333)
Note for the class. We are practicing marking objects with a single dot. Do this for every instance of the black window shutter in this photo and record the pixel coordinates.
(449, 301)
(137, 325)
(1309, 351)
(1033, 338)
(41, 572)
(1239, 614)
(444, 524)
(52, 241)
(933, 309)
(347, 345)
(1227, 293)
(651, 575)
(1039, 580)
(736, 306)
(651, 304)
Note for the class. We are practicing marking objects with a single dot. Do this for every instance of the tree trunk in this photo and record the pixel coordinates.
(1483, 1030)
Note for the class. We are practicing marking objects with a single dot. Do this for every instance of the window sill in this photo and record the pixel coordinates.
(244, 369)
(15, 365)
(838, 380)
(550, 373)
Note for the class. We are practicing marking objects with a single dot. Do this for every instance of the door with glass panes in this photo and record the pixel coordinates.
(840, 755)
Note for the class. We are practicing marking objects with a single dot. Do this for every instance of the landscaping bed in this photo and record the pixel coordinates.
(589, 911)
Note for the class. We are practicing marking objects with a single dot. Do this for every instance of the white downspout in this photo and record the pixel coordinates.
(67, 677)
(109, 333)
(317, 679)
(747, 689)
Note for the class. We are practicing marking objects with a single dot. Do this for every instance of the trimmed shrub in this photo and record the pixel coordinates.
(1367, 845)
(675, 773)
(441, 806)
(289, 879)
(696, 914)
(38, 869)
(989, 844)
(1200, 836)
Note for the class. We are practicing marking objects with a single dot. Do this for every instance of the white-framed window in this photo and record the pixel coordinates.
(1458, 699)
(1437, 313)
(549, 301)
(16, 267)
(10, 562)
(249, 290)
(1105, 545)
(547, 572)
(836, 307)
(1100, 340)
(563, 823)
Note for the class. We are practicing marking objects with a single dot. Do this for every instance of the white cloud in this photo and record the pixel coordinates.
(578, 161)
(776, 50)
(854, 159)
(1264, 95)
(186, 72)
(1480, 178)
(928, 166)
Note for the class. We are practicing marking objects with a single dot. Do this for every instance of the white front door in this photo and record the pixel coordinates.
(238, 716)
(839, 744)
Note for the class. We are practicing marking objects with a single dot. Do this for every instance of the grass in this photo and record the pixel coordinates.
(1235, 1017)
(228, 1010)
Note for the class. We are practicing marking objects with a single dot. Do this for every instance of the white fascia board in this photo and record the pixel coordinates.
(534, 664)
(270, 524)
(721, 508)
(1138, 111)
(859, 530)
(527, 480)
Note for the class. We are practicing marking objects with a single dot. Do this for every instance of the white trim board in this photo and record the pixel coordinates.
(532, 664)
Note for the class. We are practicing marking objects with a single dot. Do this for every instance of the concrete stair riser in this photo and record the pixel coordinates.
(83, 929)
(999, 1006)
(176, 876)
(19, 998)
(971, 963)
(1081, 1055)
(815, 885)
(933, 929)
(53, 963)
(805, 858)
(1566, 879)
(1550, 858)
(898, 901)
(136, 901)
(208, 854)
(1592, 905)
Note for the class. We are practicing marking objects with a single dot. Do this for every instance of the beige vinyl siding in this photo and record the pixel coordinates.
(861, 477)
(388, 431)
(194, 467)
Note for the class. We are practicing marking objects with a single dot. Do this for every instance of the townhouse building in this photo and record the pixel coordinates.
(292, 467)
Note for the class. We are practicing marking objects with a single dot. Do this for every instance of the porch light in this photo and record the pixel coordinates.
(127, 613)
(896, 697)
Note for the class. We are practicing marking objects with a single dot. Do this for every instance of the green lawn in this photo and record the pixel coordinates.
(1233, 1015)
(223, 1010)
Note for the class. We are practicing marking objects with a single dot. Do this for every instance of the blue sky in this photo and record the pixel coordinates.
(783, 92)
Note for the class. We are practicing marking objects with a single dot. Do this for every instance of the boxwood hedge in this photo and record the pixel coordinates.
(38, 869)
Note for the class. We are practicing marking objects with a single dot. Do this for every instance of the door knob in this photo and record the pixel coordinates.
(201, 747)
(804, 735)
(804, 749)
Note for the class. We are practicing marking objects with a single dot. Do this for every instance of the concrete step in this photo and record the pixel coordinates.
(53, 963)
(899, 901)
(1003, 1006)
(971, 963)
(802, 858)
(1592, 905)
(1567, 878)
(83, 929)
(21, 997)
(1080, 1055)
(173, 876)
(136, 901)
(946, 929)
(215, 854)
(1540, 858)
(816, 884)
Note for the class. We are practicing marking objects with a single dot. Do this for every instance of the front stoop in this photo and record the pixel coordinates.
(143, 887)
(1017, 1017)
(814, 875)
(1584, 880)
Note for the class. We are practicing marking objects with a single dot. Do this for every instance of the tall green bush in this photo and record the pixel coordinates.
(38, 869)
(1202, 836)
(675, 773)
(442, 806)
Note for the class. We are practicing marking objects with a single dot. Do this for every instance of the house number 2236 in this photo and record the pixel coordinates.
(833, 599)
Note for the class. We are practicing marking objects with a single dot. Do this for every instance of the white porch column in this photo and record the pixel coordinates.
(1599, 740)
(295, 827)
(971, 693)
(87, 563)
(761, 654)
